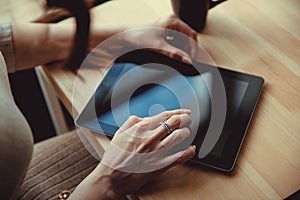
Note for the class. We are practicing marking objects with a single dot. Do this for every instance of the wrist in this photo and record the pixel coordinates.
(109, 191)
(104, 178)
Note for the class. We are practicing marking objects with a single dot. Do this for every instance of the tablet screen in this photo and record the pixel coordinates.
(146, 91)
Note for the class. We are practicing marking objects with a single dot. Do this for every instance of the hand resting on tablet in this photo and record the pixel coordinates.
(137, 153)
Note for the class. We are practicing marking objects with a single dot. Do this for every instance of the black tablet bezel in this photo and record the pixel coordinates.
(227, 159)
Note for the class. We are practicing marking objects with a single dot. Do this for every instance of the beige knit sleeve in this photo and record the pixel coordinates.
(6, 46)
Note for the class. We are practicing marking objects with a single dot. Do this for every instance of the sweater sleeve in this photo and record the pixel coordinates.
(6, 46)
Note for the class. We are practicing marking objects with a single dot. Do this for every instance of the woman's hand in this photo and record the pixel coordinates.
(139, 151)
(169, 36)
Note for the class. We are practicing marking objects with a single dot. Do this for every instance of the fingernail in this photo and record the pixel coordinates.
(194, 147)
(186, 60)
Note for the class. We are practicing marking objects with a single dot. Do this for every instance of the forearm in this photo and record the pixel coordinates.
(37, 44)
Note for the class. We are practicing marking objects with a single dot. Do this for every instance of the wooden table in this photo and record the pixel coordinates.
(261, 37)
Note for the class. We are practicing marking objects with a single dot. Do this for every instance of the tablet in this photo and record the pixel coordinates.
(145, 83)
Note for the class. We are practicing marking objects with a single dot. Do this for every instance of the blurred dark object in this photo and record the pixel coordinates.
(81, 13)
(54, 15)
(194, 12)
(58, 10)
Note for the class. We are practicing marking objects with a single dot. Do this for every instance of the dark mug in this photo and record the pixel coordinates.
(194, 12)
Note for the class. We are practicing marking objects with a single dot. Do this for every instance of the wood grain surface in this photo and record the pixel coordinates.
(260, 37)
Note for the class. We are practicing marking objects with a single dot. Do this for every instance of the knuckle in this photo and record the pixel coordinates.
(183, 133)
(187, 117)
(173, 22)
(145, 144)
(140, 129)
(179, 134)
(165, 115)
(187, 131)
(143, 126)
(169, 19)
(134, 119)
(175, 119)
